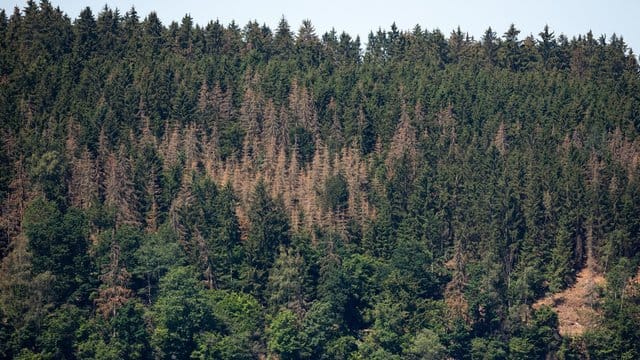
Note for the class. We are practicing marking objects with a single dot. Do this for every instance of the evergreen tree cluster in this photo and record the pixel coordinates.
(227, 192)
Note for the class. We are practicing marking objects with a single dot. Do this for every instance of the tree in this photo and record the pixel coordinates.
(119, 192)
(85, 35)
(58, 244)
(321, 328)
(48, 172)
(547, 45)
(336, 193)
(153, 33)
(157, 253)
(124, 336)
(129, 329)
(379, 238)
(412, 264)
(284, 336)
(180, 314)
(235, 192)
(242, 319)
(426, 345)
(83, 186)
(490, 46)
(184, 40)
(482, 348)
(108, 28)
(114, 293)
(25, 299)
(307, 45)
(14, 205)
(283, 39)
(509, 52)
(269, 229)
(285, 286)
(131, 31)
(208, 225)
(385, 334)
(561, 268)
(58, 338)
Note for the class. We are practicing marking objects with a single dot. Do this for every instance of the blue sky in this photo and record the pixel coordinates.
(570, 17)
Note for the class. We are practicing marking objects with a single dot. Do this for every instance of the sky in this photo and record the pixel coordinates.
(569, 17)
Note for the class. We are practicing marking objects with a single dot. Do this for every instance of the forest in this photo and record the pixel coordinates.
(178, 191)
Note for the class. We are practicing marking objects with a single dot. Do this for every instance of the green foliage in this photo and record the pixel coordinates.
(286, 281)
(488, 348)
(124, 336)
(215, 346)
(240, 321)
(618, 335)
(210, 228)
(486, 296)
(127, 238)
(544, 331)
(41, 223)
(426, 345)
(286, 194)
(386, 332)
(58, 339)
(241, 313)
(379, 238)
(305, 144)
(527, 285)
(180, 314)
(157, 253)
(412, 264)
(336, 193)
(320, 329)
(231, 141)
(269, 229)
(283, 335)
(561, 267)
(58, 244)
(129, 329)
(49, 172)
(521, 348)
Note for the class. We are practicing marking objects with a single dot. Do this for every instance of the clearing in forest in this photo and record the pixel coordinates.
(576, 306)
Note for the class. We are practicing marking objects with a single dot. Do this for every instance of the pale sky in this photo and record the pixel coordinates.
(570, 17)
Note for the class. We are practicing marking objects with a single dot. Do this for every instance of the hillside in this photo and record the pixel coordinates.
(183, 191)
(576, 306)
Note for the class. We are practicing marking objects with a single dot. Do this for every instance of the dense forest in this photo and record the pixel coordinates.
(224, 192)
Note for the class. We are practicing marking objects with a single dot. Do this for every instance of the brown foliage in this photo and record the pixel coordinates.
(113, 294)
(83, 187)
(403, 143)
(13, 207)
(119, 193)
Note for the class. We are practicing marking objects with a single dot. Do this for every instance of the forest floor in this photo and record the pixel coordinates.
(577, 305)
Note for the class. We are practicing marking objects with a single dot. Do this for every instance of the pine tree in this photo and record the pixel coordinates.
(285, 286)
(13, 207)
(561, 267)
(509, 52)
(547, 46)
(490, 45)
(269, 229)
(119, 193)
(83, 187)
(114, 293)
(403, 143)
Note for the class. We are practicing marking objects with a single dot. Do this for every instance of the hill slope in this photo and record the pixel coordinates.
(577, 305)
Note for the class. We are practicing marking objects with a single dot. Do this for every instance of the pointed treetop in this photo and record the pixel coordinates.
(307, 33)
(512, 34)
